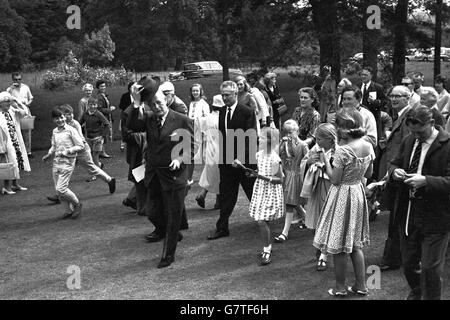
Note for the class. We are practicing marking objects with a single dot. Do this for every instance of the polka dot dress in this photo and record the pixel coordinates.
(344, 221)
(267, 202)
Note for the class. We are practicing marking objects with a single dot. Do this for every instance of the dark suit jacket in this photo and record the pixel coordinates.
(104, 106)
(381, 101)
(431, 214)
(243, 118)
(160, 147)
(125, 101)
(134, 134)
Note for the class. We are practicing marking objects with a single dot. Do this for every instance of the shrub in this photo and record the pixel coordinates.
(71, 72)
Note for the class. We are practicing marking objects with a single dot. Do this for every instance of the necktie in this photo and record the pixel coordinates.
(414, 166)
(365, 90)
(159, 124)
(229, 118)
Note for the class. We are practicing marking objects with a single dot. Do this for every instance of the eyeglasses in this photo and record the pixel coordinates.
(17, 79)
(396, 96)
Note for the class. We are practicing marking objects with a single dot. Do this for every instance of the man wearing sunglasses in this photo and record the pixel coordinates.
(421, 174)
(22, 94)
(415, 98)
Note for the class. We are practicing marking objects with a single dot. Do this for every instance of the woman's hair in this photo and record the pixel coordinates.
(326, 131)
(312, 94)
(290, 125)
(202, 92)
(346, 82)
(87, 86)
(268, 76)
(441, 79)
(349, 124)
(246, 85)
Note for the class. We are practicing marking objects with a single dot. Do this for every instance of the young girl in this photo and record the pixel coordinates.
(316, 182)
(292, 151)
(267, 199)
(343, 225)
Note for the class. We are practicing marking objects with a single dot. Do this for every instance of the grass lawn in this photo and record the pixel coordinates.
(108, 245)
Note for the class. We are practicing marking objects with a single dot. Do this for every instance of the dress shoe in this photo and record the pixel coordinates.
(218, 234)
(387, 267)
(180, 236)
(77, 210)
(6, 191)
(217, 206)
(112, 185)
(200, 201)
(105, 155)
(30, 156)
(66, 215)
(18, 188)
(128, 203)
(54, 199)
(154, 237)
(413, 295)
(166, 261)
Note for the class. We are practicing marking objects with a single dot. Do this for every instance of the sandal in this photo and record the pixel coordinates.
(281, 238)
(266, 258)
(353, 290)
(334, 293)
(321, 265)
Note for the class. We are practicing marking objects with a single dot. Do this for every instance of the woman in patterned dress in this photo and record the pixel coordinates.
(306, 115)
(343, 226)
(292, 151)
(12, 146)
(267, 202)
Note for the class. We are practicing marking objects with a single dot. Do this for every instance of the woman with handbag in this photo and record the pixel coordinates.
(13, 155)
(278, 105)
(306, 115)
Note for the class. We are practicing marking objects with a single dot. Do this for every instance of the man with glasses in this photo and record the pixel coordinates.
(421, 175)
(399, 101)
(415, 98)
(22, 94)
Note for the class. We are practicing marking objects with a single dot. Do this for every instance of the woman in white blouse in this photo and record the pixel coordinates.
(198, 109)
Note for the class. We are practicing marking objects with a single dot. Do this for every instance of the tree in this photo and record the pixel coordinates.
(401, 20)
(15, 45)
(98, 48)
(325, 21)
(438, 38)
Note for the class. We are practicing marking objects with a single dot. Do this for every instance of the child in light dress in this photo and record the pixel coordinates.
(292, 151)
(267, 202)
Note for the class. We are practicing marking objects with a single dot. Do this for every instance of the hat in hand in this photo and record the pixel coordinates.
(218, 101)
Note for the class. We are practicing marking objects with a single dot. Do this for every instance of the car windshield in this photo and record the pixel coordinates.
(190, 67)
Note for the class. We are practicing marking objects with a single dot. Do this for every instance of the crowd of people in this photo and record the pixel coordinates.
(315, 168)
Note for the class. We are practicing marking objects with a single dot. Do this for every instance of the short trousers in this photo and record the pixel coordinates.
(96, 143)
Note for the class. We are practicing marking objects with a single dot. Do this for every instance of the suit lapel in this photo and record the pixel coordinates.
(399, 121)
(168, 124)
(434, 146)
(410, 141)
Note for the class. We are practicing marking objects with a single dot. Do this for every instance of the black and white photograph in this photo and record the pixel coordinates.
(225, 155)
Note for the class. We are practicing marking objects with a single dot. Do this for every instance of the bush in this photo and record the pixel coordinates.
(71, 72)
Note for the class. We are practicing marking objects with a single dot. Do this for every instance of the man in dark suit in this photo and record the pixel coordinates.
(399, 100)
(421, 170)
(237, 125)
(373, 97)
(133, 127)
(166, 173)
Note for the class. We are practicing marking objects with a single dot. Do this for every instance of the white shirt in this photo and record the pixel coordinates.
(415, 98)
(425, 147)
(21, 94)
(402, 111)
(233, 107)
(370, 125)
(163, 119)
(263, 109)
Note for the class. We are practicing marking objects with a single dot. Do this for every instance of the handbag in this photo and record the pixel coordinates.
(7, 170)
(282, 108)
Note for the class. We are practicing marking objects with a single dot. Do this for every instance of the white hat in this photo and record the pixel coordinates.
(218, 101)
(167, 86)
(5, 96)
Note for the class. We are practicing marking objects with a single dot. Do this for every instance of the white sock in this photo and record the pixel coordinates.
(323, 257)
(268, 249)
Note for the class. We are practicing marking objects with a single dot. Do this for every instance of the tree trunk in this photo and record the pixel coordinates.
(371, 41)
(225, 37)
(326, 25)
(401, 18)
(438, 38)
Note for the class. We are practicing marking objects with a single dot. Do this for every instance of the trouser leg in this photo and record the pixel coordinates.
(411, 253)
(229, 190)
(86, 161)
(154, 207)
(173, 207)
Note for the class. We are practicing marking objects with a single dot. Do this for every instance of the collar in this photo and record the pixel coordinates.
(367, 84)
(63, 128)
(435, 107)
(403, 110)
(233, 107)
(358, 107)
(163, 118)
(434, 134)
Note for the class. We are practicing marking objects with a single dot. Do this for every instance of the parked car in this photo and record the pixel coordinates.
(430, 57)
(201, 69)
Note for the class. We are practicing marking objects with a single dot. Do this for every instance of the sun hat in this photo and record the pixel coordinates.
(218, 101)
(5, 96)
